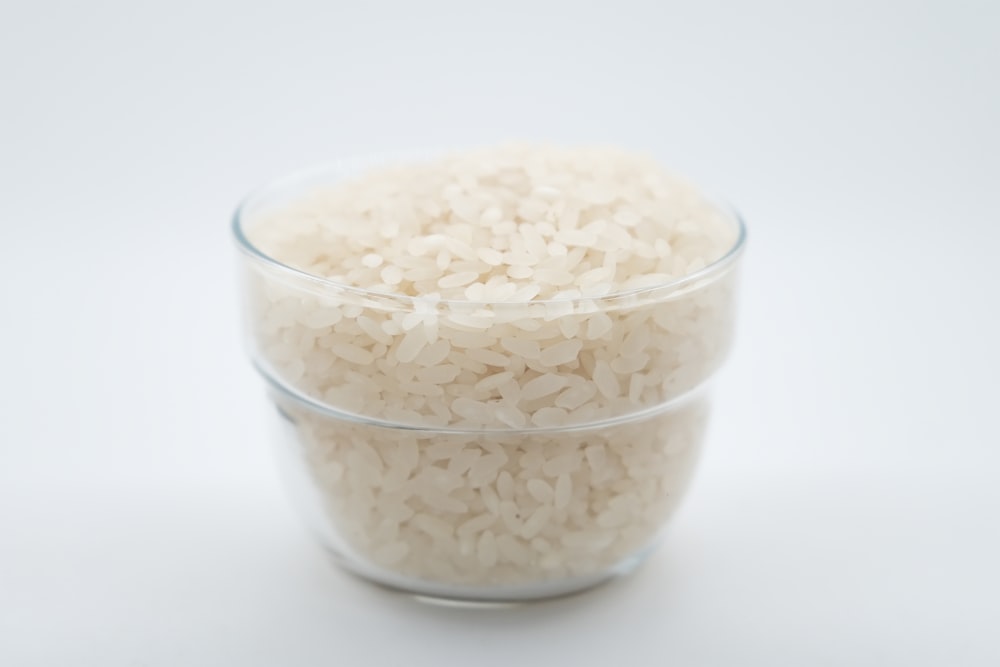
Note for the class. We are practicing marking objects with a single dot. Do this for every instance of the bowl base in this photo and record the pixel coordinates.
(485, 597)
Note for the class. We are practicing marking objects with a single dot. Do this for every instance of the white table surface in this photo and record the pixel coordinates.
(846, 510)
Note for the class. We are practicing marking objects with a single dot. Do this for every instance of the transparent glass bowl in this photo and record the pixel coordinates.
(483, 451)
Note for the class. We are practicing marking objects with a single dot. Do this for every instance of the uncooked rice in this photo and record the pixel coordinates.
(612, 222)
(535, 289)
(497, 509)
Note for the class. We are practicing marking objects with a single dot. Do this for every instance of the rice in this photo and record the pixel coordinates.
(530, 318)
(506, 303)
(583, 501)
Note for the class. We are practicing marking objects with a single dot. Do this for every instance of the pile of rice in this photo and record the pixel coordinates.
(527, 240)
(517, 293)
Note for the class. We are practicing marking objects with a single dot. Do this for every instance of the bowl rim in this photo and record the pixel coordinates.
(345, 167)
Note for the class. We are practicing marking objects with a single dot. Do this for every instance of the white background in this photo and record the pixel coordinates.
(846, 510)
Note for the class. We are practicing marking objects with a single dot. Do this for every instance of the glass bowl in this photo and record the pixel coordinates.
(487, 451)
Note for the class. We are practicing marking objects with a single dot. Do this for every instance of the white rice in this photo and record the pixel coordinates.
(468, 293)
(406, 231)
(581, 512)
